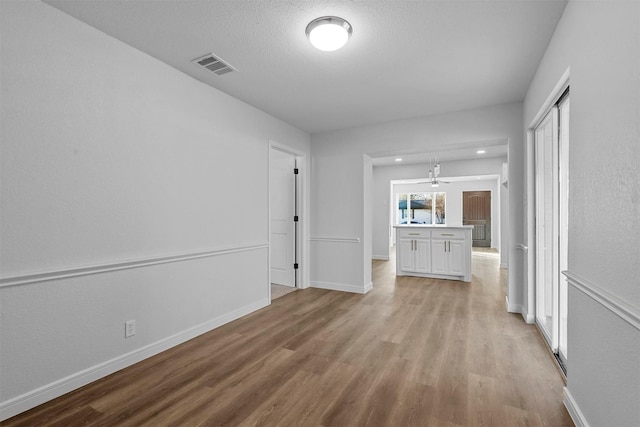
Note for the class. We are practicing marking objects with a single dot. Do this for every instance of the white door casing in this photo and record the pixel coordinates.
(282, 211)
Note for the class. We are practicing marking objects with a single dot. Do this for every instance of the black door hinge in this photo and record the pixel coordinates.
(295, 218)
(295, 171)
(295, 266)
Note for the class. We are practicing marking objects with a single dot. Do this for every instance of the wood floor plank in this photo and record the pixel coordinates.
(326, 392)
(412, 352)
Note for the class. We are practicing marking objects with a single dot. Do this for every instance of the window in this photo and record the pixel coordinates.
(440, 208)
(421, 208)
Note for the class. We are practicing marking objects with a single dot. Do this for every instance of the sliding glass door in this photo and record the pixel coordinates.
(551, 183)
(563, 176)
(547, 268)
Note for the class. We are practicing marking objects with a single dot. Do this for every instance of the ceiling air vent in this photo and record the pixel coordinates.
(213, 64)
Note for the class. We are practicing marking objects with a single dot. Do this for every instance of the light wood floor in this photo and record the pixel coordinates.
(413, 351)
(278, 291)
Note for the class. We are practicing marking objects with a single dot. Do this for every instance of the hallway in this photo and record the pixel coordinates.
(413, 351)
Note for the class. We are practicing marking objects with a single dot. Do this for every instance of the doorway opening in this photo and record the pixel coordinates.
(283, 219)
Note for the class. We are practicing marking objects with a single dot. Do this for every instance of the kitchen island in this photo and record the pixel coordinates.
(436, 251)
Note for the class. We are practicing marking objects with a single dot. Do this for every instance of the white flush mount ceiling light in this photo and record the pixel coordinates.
(328, 33)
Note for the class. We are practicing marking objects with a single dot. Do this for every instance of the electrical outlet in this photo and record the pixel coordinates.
(129, 328)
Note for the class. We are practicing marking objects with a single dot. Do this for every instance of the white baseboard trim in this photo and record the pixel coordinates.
(381, 257)
(518, 308)
(529, 318)
(57, 388)
(574, 411)
(342, 287)
(512, 308)
(368, 287)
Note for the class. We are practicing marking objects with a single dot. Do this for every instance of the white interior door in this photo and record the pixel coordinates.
(282, 211)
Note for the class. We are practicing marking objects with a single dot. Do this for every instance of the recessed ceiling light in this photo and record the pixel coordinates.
(328, 33)
(398, 159)
(481, 151)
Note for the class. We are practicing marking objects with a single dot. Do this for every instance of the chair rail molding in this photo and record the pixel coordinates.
(621, 308)
(336, 239)
(108, 267)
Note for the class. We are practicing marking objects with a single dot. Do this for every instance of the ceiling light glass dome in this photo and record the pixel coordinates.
(328, 33)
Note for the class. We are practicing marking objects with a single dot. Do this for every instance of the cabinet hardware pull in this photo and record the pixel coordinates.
(449, 245)
(445, 246)
(416, 234)
(447, 234)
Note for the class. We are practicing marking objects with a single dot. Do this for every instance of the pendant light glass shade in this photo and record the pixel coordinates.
(328, 33)
(433, 174)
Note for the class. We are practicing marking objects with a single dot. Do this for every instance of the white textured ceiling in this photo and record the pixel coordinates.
(405, 58)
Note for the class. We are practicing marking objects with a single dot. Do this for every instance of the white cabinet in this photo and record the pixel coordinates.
(439, 247)
(448, 257)
(415, 255)
(434, 252)
(457, 264)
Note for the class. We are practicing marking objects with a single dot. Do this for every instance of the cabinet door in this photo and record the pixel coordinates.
(456, 257)
(423, 256)
(439, 256)
(406, 257)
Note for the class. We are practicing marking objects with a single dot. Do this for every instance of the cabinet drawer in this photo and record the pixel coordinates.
(415, 233)
(448, 234)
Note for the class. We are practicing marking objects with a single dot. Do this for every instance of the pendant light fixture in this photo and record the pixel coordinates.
(328, 33)
(434, 173)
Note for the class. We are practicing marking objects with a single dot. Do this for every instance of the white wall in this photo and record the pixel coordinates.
(337, 228)
(383, 175)
(338, 188)
(117, 163)
(600, 42)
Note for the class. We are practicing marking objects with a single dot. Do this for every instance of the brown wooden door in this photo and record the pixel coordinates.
(476, 211)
